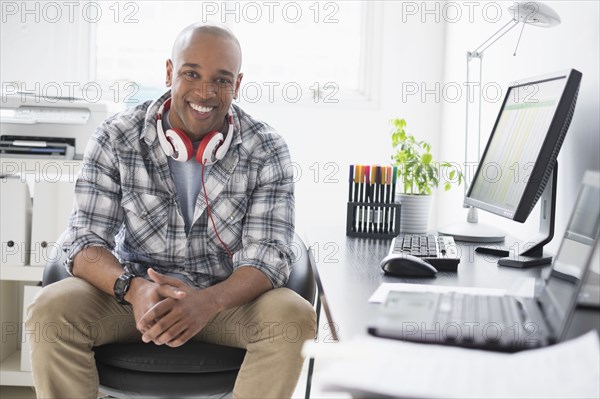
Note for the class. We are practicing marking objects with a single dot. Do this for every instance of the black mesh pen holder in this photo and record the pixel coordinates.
(373, 220)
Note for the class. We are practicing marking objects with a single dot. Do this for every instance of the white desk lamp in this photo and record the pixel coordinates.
(525, 13)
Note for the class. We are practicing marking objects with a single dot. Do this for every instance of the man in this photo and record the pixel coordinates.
(161, 249)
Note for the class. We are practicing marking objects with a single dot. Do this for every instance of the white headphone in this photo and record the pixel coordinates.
(178, 145)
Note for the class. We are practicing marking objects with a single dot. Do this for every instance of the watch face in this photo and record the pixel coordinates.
(122, 286)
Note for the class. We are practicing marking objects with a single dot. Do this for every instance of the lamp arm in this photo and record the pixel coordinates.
(519, 41)
(496, 36)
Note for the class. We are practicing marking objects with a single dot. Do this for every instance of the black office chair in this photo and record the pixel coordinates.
(195, 369)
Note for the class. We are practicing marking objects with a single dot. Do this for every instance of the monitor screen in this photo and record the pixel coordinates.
(522, 149)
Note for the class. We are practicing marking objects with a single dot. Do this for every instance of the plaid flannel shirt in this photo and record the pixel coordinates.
(126, 201)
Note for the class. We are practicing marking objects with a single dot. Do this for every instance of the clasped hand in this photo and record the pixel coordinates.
(169, 311)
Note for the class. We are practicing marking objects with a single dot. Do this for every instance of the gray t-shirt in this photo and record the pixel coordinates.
(188, 181)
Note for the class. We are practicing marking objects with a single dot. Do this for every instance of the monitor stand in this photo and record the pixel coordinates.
(473, 231)
(534, 253)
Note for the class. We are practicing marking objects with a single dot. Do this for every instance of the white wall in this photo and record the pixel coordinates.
(40, 53)
(335, 136)
(575, 43)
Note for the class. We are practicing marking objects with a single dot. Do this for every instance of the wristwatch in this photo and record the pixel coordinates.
(122, 286)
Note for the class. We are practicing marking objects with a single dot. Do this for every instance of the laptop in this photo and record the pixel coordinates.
(504, 323)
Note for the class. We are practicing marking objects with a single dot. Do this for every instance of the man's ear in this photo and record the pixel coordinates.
(238, 82)
(169, 77)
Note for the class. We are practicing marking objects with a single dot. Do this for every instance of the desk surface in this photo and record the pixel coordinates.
(349, 271)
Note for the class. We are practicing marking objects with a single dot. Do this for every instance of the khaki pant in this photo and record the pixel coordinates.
(68, 318)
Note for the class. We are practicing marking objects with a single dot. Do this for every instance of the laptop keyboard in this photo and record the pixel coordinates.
(485, 321)
(454, 318)
(440, 251)
(483, 309)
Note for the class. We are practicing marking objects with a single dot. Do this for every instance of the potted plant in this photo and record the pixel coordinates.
(418, 176)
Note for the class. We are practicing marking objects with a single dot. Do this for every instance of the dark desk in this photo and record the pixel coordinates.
(349, 271)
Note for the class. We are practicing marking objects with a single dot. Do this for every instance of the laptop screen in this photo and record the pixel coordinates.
(572, 260)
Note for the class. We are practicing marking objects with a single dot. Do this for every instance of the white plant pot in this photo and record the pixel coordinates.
(414, 212)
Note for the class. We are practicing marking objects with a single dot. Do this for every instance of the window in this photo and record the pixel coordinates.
(293, 51)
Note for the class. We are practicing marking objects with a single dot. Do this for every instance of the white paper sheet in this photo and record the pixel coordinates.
(368, 365)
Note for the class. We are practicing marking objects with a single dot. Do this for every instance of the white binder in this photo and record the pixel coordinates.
(52, 205)
(15, 227)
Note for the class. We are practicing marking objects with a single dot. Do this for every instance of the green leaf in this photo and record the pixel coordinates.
(419, 172)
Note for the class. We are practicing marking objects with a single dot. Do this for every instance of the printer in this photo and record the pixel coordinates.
(35, 126)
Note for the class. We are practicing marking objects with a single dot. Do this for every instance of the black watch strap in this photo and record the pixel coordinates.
(121, 287)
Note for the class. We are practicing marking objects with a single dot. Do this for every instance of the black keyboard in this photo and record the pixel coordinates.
(439, 251)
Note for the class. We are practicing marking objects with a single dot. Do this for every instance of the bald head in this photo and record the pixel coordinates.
(204, 77)
(198, 31)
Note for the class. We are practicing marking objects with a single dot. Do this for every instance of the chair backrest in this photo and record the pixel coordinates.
(301, 279)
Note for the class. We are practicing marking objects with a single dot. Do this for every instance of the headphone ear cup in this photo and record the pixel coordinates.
(208, 147)
(182, 145)
(222, 150)
(162, 139)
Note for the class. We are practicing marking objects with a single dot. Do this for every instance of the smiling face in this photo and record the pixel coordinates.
(204, 78)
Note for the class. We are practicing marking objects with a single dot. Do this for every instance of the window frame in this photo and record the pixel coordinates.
(370, 55)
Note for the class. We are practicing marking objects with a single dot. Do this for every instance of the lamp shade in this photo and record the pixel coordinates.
(534, 13)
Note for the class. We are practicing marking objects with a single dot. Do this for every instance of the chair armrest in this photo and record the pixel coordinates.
(55, 264)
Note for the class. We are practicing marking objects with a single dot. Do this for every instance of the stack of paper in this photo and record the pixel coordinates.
(368, 366)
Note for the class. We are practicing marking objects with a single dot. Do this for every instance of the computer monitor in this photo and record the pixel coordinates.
(519, 163)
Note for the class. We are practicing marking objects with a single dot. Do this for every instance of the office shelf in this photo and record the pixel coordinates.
(15, 279)
(15, 282)
(21, 273)
(11, 374)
